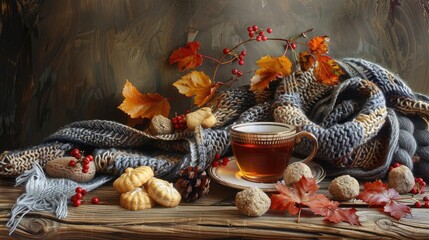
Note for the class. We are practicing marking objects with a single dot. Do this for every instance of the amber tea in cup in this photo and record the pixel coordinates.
(263, 149)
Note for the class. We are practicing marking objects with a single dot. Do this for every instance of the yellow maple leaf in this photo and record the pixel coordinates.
(327, 71)
(270, 69)
(197, 84)
(139, 105)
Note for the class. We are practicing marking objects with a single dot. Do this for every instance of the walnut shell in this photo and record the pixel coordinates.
(163, 193)
(295, 171)
(133, 178)
(344, 188)
(252, 202)
(137, 199)
(202, 116)
(401, 178)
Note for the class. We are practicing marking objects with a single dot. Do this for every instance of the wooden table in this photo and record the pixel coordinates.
(213, 217)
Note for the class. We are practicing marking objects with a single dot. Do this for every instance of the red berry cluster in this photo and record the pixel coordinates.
(395, 165)
(80, 193)
(260, 34)
(220, 162)
(84, 161)
(419, 186)
(425, 200)
(179, 122)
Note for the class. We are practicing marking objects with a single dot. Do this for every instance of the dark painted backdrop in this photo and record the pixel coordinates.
(67, 60)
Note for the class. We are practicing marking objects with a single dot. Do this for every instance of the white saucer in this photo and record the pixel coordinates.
(231, 176)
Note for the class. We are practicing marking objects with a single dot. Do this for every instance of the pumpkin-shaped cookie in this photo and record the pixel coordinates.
(132, 179)
(163, 193)
(137, 199)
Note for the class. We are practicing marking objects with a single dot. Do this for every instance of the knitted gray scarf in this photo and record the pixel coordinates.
(362, 124)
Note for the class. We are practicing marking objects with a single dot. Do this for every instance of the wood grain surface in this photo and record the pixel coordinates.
(64, 61)
(213, 217)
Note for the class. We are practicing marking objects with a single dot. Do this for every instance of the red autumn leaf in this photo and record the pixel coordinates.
(327, 71)
(378, 194)
(319, 44)
(197, 84)
(187, 57)
(141, 105)
(303, 194)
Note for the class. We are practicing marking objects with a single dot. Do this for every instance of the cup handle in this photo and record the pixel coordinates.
(313, 139)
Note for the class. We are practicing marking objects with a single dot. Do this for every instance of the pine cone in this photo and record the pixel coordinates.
(193, 184)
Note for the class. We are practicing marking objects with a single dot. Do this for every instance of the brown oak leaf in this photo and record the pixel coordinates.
(197, 84)
(138, 105)
(187, 57)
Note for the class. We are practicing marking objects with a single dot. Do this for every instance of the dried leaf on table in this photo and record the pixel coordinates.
(197, 84)
(139, 105)
(187, 57)
(378, 194)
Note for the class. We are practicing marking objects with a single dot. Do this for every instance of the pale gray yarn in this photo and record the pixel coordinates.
(46, 194)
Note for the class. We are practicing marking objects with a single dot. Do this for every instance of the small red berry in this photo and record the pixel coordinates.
(84, 192)
(234, 71)
(251, 34)
(391, 168)
(215, 163)
(241, 57)
(264, 38)
(426, 204)
(425, 198)
(78, 190)
(73, 198)
(420, 180)
(72, 163)
(255, 28)
(74, 152)
(239, 74)
(174, 120)
(293, 45)
(78, 156)
(269, 30)
(225, 161)
(77, 202)
(85, 170)
(217, 156)
(414, 191)
(417, 204)
(396, 164)
(90, 157)
(241, 62)
(85, 166)
(85, 161)
(243, 53)
(95, 200)
(226, 50)
(261, 33)
(258, 38)
(249, 29)
(78, 196)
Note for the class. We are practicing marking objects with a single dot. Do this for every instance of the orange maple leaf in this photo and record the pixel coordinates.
(141, 105)
(319, 44)
(327, 71)
(197, 84)
(270, 69)
(187, 57)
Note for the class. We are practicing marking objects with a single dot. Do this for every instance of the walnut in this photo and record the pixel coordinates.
(295, 171)
(252, 202)
(202, 116)
(163, 193)
(344, 188)
(133, 178)
(160, 125)
(137, 199)
(401, 178)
